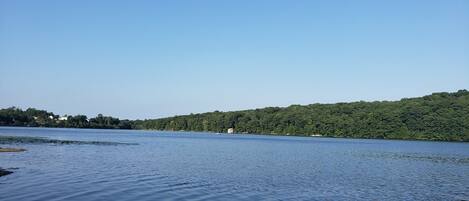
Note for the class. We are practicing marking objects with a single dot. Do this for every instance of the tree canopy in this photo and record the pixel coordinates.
(32, 117)
(440, 116)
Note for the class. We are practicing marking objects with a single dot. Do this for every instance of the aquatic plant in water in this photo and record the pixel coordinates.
(43, 140)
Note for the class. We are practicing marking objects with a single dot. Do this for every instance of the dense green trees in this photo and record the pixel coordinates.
(40, 118)
(30, 117)
(440, 116)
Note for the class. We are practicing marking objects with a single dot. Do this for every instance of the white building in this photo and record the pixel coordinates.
(230, 130)
(63, 118)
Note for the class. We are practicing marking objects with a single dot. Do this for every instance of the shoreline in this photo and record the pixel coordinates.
(309, 136)
(258, 134)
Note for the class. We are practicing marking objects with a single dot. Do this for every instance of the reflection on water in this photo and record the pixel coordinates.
(198, 166)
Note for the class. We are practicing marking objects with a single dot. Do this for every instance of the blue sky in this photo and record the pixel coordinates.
(147, 59)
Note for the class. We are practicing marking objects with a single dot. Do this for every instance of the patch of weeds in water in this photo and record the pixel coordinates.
(43, 140)
(7, 149)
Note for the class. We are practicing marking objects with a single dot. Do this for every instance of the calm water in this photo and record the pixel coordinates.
(198, 166)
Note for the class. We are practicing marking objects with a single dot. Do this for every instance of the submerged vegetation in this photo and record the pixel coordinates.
(440, 116)
(42, 140)
(7, 149)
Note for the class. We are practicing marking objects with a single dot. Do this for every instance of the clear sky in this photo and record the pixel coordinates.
(147, 59)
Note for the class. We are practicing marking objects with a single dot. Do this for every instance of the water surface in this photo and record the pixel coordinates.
(202, 166)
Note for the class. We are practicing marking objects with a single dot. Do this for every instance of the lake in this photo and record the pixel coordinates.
(203, 166)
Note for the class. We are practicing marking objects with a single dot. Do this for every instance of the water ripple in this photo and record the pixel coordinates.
(209, 167)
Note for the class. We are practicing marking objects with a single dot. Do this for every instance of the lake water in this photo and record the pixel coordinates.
(201, 166)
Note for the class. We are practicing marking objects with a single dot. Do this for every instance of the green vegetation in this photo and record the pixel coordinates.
(40, 118)
(440, 116)
(42, 140)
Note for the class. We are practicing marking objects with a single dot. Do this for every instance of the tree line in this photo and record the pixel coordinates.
(439, 116)
(32, 117)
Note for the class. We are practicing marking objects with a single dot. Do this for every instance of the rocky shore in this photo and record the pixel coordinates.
(4, 172)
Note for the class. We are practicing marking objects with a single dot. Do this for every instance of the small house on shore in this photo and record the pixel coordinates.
(230, 130)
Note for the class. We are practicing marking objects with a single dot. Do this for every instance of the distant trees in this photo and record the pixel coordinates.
(15, 117)
(39, 118)
(109, 122)
(440, 116)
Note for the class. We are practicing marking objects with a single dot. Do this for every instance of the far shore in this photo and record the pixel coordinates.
(244, 133)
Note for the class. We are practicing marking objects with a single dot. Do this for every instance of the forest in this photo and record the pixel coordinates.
(439, 116)
(32, 117)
